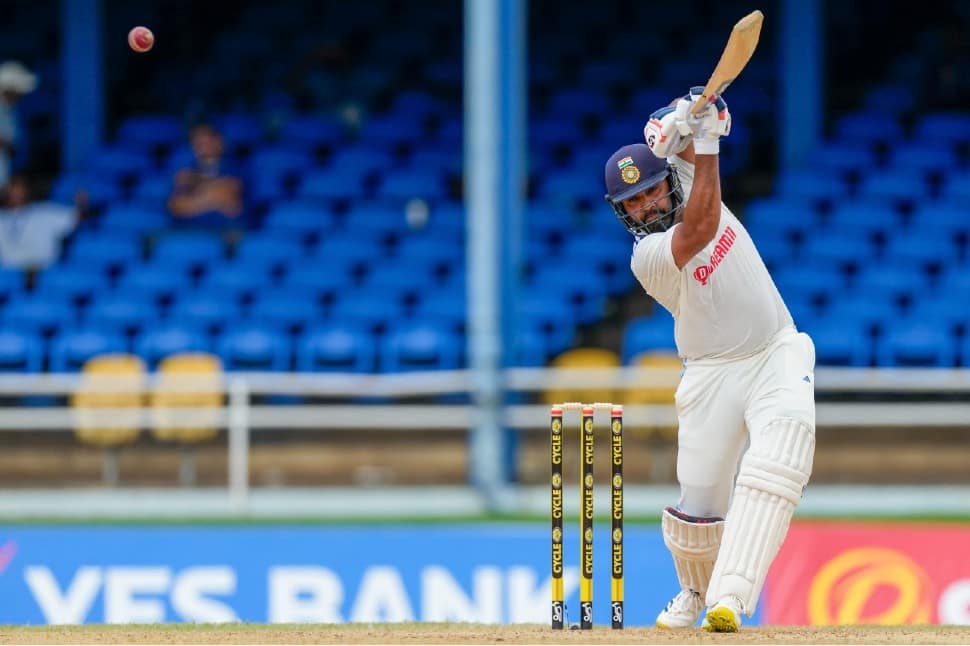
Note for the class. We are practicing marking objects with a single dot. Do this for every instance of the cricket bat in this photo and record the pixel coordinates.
(740, 46)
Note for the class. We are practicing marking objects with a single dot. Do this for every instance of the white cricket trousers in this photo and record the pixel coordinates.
(723, 404)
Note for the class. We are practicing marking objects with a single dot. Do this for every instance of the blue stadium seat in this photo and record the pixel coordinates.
(444, 162)
(311, 131)
(72, 347)
(302, 218)
(119, 163)
(549, 316)
(331, 183)
(254, 347)
(153, 191)
(818, 282)
(149, 130)
(583, 289)
(273, 251)
(289, 309)
(12, 283)
(956, 190)
(445, 305)
(950, 314)
(392, 130)
(157, 342)
(648, 333)
(101, 191)
(104, 251)
(425, 183)
(812, 187)
(126, 311)
(579, 102)
(239, 129)
(900, 188)
(420, 345)
(897, 282)
(20, 351)
(840, 251)
(277, 164)
(323, 279)
(917, 344)
(364, 159)
(875, 216)
(236, 280)
(943, 128)
(190, 249)
(159, 281)
(383, 222)
(560, 129)
(791, 218)
(840, 343)
(37, 314)
(927, 248)
(209, 310)
(336, 347)
(874, 126)
(372, 312)
(922, 159)
(873, 313)
(843, 157)
(417, 104)
(897, 98)
(350, 248)
(609, 259)
(71, 283)
(134, 219)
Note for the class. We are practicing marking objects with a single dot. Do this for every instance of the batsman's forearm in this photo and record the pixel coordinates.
(703, 208)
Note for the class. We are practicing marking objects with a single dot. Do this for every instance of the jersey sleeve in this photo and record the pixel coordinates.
(653, 261)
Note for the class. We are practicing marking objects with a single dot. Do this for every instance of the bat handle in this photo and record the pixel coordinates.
(700, 103)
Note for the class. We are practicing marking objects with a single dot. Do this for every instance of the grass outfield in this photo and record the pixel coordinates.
(421, 633)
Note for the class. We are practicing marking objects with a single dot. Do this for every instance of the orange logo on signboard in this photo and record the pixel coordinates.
(870, 585)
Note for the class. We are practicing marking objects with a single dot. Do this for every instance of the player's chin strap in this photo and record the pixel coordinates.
(693, 542)
(770, 481)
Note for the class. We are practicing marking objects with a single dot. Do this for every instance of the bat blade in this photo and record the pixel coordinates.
(740, 46)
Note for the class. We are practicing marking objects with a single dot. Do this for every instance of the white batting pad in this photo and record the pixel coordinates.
(694, 548)
(770, 481)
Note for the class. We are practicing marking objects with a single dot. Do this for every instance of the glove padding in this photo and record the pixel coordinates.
(707, 128)
(667, 132)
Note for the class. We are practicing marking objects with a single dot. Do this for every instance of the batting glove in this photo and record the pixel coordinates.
(713, 122)
(667, 132)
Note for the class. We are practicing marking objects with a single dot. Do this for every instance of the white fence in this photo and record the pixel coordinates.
(240, 415)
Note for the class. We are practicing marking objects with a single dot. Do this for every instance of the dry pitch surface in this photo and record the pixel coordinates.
(470, 634)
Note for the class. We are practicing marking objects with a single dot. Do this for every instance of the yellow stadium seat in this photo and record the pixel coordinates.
(126, 374)
(206, 392)
(660, 395)
(579, 358)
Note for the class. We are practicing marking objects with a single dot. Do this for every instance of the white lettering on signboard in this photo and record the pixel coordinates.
(304, 594)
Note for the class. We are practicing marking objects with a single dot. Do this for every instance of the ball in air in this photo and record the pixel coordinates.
(141, 39)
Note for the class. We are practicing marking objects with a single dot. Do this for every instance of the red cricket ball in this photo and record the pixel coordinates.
(141, 39)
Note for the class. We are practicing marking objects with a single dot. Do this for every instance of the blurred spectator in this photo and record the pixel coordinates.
(15, 81)
(31, 233)
(209, 194)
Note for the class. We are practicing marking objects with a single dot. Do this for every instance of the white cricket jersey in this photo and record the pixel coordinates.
(724, 303)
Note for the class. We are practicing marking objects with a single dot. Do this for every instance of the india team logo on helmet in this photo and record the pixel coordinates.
(633, 169)
(628, 171)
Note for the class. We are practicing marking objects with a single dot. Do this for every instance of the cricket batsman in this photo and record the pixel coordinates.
(746, 400)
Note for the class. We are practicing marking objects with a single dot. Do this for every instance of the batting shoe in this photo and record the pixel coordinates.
(682, 611)
(724, 616)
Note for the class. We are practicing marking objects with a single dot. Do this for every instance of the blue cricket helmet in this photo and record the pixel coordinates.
(633, 169)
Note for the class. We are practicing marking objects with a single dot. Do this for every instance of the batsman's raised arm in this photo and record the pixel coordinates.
(674, 131)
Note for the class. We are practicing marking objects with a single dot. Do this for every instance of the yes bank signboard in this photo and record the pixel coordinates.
(322, 574)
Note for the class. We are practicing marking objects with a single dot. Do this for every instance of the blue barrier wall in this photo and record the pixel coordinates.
(316, 574)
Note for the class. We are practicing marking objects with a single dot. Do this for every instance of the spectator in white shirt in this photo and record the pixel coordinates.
(31, 233)
(15, 81)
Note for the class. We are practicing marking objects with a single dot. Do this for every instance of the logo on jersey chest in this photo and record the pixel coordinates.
(703, 273)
